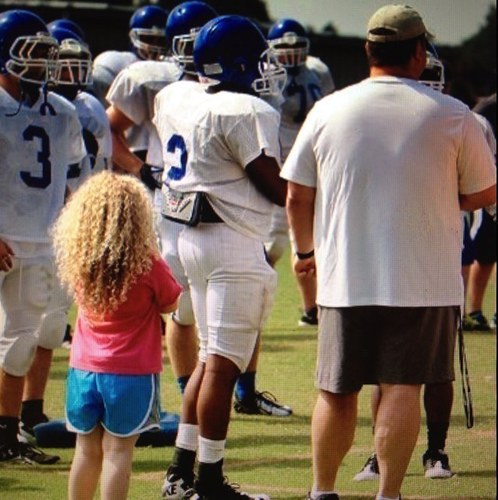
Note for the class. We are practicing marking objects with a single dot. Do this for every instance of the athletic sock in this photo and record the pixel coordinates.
(211, 451)
(9, 427)
(246, 386)
(210, 477)
(381, 497)
(183, 463)
(436, 435)
(32, 412)
(187, 437)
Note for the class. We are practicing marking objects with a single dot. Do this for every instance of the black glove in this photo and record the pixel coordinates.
(148, 175)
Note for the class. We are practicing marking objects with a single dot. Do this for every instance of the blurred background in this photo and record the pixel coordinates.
(335, 28)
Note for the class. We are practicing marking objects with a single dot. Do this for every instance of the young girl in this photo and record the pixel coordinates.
(107, 257)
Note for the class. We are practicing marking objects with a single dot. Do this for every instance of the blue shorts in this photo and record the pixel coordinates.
(123, 404)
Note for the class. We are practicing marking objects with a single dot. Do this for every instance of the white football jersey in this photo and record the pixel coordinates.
(106, 67)
(311, 82)
(35, 152)
(134, 89)
(208, 139)
(98, 139)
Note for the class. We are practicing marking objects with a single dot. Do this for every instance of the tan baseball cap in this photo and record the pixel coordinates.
(394, 23)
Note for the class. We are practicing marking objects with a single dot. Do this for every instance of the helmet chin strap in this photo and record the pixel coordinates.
(27, 97)
(46, 106)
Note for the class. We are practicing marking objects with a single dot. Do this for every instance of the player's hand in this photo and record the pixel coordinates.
(147, 177)
(6, 254)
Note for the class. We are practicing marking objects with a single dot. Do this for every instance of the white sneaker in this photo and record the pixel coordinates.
(436, 465)
(176, 488)
(369, 471)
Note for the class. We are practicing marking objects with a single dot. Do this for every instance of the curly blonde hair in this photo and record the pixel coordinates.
(104, 239)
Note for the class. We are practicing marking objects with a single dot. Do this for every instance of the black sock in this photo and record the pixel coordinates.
(9, 427)
(183, 463)
(32, 412)
(436, 435)
(210, 477)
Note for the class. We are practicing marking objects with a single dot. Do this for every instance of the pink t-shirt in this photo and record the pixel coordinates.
(127, 341)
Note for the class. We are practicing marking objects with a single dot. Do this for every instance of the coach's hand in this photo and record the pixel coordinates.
(6, 254)
(305, 267)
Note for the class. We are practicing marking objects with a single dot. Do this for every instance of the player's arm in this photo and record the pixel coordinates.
(264, 173)
(474, 201)
(122, 156)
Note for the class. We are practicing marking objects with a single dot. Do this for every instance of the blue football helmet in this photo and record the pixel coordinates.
(184, 23)
(147, 32)
(26, 48)
(433, 74)
(67, 24)
(74, 66)
(232, 50)
(290, 41)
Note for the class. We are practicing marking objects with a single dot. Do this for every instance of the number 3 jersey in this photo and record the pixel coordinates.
(207, 140)
(35, 152)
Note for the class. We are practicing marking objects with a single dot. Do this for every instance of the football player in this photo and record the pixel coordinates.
(148, 42)
(132, 96)
(221, 156)
(40, 137)
(309, 79)
(72, 77)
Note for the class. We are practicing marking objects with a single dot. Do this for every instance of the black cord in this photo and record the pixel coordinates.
(464, 371)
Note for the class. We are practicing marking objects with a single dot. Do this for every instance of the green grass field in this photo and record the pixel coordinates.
(273, 455)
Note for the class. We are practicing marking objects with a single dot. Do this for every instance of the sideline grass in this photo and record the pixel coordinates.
(272, 455)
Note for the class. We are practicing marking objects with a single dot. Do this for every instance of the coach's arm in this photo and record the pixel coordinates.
(300, 207)
(474, 201)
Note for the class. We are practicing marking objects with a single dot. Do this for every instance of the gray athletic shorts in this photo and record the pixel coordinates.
(391, 345)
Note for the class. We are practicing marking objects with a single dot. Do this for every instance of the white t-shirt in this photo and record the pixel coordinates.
(35, 153)
(208, 140)
(389, 157)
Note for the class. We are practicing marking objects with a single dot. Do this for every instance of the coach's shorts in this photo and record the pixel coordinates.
(391, 345)
(123, 404)
(483, 233)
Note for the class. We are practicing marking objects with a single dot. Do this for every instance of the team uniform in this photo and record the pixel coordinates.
(97, 136)
(36, 153)
(106, 67)
(207, 141)
(306, 84)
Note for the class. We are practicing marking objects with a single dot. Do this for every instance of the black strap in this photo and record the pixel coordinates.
(464, 371)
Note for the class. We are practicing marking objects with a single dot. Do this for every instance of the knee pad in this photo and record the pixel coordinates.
(52, 328)
(17, 352)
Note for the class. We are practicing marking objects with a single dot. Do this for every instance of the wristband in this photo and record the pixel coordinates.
(303, 256)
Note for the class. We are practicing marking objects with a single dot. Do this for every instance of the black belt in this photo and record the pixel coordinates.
(207, 212)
